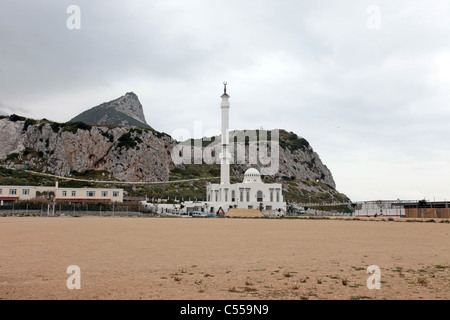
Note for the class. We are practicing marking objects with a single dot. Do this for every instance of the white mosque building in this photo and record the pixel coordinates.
(251, 193)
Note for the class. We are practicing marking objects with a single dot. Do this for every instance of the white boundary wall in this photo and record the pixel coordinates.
(380, 209)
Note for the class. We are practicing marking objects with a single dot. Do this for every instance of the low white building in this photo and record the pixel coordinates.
(251, 193)
(26, 193)
(184, 208)
(15, 193)
(161, 208)
(88, 194)
(381, 208)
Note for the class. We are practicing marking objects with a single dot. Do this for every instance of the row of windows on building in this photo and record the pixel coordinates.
(259, 195)
(13, 192)
(89, 194)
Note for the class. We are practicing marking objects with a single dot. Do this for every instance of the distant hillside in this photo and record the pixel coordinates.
(124, 111)
(121, 153)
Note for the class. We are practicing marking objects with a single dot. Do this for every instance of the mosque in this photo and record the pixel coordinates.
(251, 193)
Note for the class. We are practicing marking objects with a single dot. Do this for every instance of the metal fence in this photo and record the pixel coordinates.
(75, 209)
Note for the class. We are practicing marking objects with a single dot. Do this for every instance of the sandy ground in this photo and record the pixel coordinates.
(213, 258)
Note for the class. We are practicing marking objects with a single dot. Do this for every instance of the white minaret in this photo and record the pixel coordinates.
(225, 155)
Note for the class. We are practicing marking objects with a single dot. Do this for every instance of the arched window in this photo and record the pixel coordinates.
(259, 196)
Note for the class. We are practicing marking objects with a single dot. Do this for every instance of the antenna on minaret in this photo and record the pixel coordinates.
(225, 94)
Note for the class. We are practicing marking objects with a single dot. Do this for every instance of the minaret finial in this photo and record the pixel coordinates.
(225, 87)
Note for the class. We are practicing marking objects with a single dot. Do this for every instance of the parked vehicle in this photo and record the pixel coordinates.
(198, 214)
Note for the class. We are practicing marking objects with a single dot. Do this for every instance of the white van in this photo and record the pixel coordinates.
(198, 214)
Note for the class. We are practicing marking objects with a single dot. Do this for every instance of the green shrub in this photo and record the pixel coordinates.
(109, 136)
(127, 141)
(55, 126)
(28, 122)
(15, 117)
(75, 126)
(12, 156)
(289, 140)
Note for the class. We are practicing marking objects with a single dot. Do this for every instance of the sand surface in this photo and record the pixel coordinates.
(214, 258)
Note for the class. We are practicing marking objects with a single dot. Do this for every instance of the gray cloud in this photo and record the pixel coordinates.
(373, 103)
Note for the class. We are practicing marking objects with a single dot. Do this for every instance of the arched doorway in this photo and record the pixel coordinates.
(259, 196)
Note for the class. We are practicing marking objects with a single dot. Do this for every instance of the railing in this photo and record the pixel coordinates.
(60, 209)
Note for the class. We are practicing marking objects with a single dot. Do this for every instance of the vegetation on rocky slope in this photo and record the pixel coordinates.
(316, 185)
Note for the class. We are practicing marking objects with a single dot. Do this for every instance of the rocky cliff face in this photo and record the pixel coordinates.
(124, 111)
(137, 154)
(297, 166)
(129, 154)
(298, 160)
(295, 159)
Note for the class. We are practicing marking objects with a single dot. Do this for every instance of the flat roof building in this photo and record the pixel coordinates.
(26, 193)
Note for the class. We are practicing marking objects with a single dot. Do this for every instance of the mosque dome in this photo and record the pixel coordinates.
(252, 175)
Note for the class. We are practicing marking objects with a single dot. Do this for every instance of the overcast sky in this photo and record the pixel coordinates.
(365, 82)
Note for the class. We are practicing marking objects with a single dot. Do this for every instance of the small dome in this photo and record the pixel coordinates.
(252, 175)
(252, 171)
